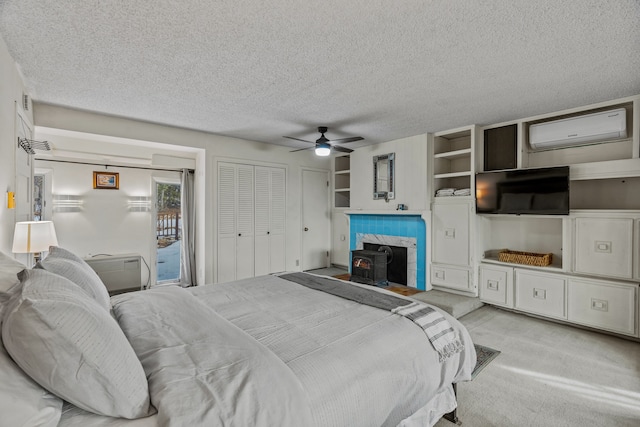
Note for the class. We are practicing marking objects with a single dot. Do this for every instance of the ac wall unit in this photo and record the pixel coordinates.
(118, 272)
(597, 127)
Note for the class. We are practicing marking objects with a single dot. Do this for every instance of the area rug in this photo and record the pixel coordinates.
(484, 356)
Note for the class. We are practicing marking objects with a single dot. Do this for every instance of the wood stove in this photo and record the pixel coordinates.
(369, 267)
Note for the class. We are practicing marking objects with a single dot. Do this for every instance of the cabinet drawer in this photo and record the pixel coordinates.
(540, 293)
(496, 285)
(605, 305)
(604, 246)
(451, 277)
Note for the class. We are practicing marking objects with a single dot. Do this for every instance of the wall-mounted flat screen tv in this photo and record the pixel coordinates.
(540, 191)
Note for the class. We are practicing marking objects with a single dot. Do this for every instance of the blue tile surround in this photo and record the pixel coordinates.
(394, 225)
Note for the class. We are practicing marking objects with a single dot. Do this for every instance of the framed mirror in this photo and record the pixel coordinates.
(383, 176)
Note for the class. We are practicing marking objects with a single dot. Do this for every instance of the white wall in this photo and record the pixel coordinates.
(11, 89)
(411, 182)
(410, 175)
(104, 223)
(215, 148)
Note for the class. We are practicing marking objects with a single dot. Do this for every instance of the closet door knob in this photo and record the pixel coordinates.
(306, 229)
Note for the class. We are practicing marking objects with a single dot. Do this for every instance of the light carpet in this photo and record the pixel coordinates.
(549, 374)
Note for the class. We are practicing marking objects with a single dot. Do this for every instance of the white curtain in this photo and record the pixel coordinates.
(187, 256)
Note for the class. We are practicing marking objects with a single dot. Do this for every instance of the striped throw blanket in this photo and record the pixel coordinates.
(435, 326)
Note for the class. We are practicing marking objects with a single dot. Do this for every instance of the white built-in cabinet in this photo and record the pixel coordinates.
(251, 220)
(594, 278)
(452, 165)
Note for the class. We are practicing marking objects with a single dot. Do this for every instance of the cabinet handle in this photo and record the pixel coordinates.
(603, 247)
(539, 293)
(493, 285)
(440, 274)
(450, 233)
(239, 234)
(599, 304)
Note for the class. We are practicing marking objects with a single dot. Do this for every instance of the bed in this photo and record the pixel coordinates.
(263, 351)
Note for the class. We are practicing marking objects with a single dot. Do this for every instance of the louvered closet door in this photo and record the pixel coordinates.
(277, 260)
(263, 202)
(269, 220)
(227, 234)
(246, 238)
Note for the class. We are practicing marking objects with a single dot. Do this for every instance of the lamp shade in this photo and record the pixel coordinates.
(33, 237)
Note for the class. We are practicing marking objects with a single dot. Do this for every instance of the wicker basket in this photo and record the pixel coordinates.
(528, 258)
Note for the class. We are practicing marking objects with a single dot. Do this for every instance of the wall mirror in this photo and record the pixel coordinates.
(383, 176)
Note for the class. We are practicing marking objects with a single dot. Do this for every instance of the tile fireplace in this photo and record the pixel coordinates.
(401, 230)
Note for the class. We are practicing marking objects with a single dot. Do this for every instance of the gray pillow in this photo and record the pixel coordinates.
(67, 343)
(9, 269)
(67, 264)
(23, 402)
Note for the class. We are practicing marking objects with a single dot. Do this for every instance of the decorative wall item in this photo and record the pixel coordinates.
(384, 177)
(106, 180)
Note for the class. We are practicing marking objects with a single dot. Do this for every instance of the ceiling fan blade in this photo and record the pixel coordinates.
(302, 149)
(350, 139)
(298, 139)
(341, 149)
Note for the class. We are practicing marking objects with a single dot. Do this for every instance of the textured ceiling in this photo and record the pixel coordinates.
(261, 69)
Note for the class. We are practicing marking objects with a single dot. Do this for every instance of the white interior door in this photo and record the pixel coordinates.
(316, 222)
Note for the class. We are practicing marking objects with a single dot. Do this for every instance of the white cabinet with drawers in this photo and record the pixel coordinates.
(452, 245)
(540, 293)
(602, 304)
(496, 285)
(604, 247)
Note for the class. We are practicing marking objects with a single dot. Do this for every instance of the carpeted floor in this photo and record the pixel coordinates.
(549, 374)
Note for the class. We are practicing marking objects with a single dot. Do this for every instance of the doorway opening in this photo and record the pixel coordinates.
(168, 232)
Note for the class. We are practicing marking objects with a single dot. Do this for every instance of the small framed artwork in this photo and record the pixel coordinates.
(106, 180)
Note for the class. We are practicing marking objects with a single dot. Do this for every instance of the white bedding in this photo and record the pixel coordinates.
(316, 359)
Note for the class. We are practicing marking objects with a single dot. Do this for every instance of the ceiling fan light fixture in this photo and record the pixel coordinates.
(322, 149)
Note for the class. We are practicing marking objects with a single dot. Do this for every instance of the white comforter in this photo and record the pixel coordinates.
(268, 352)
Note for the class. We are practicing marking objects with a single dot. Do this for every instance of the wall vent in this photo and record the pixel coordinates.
(26, 102)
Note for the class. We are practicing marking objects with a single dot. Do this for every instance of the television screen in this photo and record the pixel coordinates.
(543, 191)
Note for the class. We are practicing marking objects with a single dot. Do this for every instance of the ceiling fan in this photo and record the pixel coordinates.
(323, 146)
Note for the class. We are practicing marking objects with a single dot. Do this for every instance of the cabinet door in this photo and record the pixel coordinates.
(540, 293)
(451, 234)
(604, 246)
(496, 285)
(604, 305)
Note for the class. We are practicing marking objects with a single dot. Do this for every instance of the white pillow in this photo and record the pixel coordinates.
(9, 269)
(67, 264)
(23, 402)
(72, 347)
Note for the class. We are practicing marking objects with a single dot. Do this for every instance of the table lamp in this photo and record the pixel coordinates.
(34, 237)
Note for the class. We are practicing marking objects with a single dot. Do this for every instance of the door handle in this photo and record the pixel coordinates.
(306, 229)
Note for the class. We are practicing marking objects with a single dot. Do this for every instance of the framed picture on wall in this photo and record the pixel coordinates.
(106, 180)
